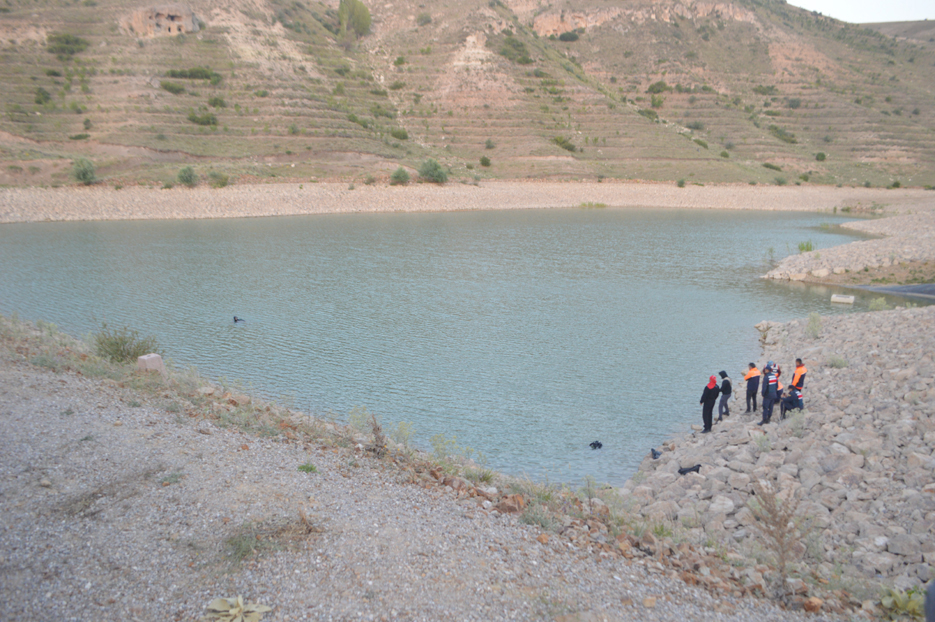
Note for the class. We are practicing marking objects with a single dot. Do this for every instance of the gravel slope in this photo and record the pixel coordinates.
(112, 508)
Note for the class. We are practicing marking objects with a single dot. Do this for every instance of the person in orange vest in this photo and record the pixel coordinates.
(798, 377)
(753, 385)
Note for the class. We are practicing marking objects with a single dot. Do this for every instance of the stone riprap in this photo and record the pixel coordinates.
(908, 237)
(859, 458)
(255, 200)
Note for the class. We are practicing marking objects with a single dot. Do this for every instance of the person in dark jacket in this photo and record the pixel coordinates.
(708, 398)
(753, 386)
(723, 408)
(770, 391)
(791, 401)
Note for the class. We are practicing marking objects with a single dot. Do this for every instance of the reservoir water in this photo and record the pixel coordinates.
(525, 334)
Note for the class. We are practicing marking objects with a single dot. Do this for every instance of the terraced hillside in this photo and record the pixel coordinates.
(514, 89)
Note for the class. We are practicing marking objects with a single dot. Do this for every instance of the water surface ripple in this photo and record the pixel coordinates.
(525, 334)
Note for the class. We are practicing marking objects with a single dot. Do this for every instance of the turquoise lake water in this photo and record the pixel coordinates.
(526, 334)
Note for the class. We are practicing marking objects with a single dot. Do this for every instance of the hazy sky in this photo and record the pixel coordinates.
(863, 11)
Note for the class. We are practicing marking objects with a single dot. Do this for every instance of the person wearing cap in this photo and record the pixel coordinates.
(723, 410)
(753, 385)
(708, 398)
(770, 391)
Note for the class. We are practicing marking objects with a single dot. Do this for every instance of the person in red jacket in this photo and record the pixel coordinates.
(708, 399)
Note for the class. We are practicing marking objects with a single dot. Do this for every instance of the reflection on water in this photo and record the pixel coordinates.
(525, 334)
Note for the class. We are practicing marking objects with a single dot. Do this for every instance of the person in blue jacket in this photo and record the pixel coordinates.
(770, 391)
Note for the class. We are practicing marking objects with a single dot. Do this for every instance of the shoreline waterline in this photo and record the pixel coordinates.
(104, 203)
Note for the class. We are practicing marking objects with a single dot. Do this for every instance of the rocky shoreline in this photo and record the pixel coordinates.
(859, 459)
(905, 239)
(259, 200)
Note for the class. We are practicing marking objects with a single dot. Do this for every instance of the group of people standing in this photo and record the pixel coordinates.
(771, 391)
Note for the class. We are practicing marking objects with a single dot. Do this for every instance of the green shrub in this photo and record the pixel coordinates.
(379, 111)
(765, 90)
(203, 119)
(188, 177)
(820, 156)
(484, 161)
(399, 177)
(354, 15)
(564, 143)
(515, 50)
(779, 180)
(398, 84)
(649, 114)
(195, 73)
(432, 171)
(806, 247)
(568, 37)
(724, 154)
(87, 124)
(878, 304)
(308, 467)
(217, 102)
(900, 605)
(489, 144)
(793, 103)
(399, 134)
(122, 345)
(172, 87)
(771, 166)
(656, 101)
(782, 134)
(423, 19)
(42, 96)
(658, 87)
(79, 137)
(680, 183)
(83, 170)
(53, 73)
(65, 46)
(293, 129)
(400, 61)
(895, 184)
(700, 142)
(218, 180)
(262, 93)
(695, 125)
(837, 362)
(804, 177)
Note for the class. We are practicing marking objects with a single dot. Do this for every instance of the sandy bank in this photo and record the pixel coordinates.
(242, 201)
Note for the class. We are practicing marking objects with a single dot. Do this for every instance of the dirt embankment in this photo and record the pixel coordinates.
(245, 201)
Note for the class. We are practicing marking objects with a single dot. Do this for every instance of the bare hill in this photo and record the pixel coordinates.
(259, 89)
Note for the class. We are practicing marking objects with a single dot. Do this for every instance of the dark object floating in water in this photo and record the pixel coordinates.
(597, 445)
(694, 469)
(238, 319)
(656, 454)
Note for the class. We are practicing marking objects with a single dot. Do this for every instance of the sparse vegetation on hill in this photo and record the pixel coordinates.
(337, 74)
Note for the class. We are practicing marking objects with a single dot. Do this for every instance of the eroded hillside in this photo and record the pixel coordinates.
(643, 90)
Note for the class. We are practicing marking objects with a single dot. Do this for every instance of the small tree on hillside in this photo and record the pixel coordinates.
(84, 171)
(355, 15)
(432, 171)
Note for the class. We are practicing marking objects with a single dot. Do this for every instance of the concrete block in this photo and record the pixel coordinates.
(151, 362)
